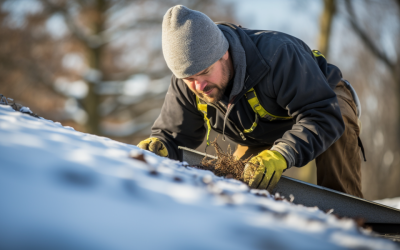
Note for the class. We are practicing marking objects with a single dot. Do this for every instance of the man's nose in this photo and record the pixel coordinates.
(200, 85)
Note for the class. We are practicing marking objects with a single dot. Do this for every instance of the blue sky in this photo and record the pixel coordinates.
(297, 18)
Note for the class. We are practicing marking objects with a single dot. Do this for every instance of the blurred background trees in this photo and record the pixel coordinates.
(97, 65)
(374, 28)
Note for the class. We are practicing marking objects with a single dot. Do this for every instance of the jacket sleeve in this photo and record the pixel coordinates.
(180, 123)
(300, 87)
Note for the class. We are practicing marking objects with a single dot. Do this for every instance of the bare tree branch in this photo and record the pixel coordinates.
(141, 23)
(106, 36)
(366, 39)
(91, 41)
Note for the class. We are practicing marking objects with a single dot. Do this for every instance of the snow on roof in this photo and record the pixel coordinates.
(63, 189)
(392, 202)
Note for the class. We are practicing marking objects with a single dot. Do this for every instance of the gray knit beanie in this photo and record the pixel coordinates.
(191, 41)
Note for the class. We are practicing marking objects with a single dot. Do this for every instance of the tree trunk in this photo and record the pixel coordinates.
(325, 25)
(92, 100)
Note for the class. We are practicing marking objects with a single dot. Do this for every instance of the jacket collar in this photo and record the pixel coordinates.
(257, 68)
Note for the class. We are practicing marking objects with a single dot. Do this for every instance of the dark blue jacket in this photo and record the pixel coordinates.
(289, 81)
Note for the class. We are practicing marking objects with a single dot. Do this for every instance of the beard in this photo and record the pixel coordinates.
(219, 89)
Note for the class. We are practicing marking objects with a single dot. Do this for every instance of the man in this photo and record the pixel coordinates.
(266, 91)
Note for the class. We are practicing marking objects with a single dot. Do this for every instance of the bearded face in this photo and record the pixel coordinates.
(210, 84)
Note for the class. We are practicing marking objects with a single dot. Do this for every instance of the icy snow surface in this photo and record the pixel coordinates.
(392, 202)
(63, 189)
(25, 110)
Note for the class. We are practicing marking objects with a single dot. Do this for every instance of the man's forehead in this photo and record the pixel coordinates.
(200, 73)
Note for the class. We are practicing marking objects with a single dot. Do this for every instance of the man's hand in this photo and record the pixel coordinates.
(264, 170)
(154, 145)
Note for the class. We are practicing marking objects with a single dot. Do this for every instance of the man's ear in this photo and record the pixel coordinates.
(226, 55)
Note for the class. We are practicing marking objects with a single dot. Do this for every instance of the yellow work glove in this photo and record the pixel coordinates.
(154, 145)
(264, 170)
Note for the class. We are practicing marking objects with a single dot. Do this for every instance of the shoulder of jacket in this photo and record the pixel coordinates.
(272, 36)
(270, 43)
(180, 89)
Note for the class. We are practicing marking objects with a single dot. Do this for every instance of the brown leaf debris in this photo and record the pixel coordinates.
(226, 165)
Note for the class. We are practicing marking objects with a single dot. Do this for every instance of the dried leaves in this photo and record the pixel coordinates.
(226, 165)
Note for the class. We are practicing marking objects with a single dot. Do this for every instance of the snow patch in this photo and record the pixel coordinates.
(60, 188)
(391, 202)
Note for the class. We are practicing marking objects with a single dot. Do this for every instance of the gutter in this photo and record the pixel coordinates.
(382, 219)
